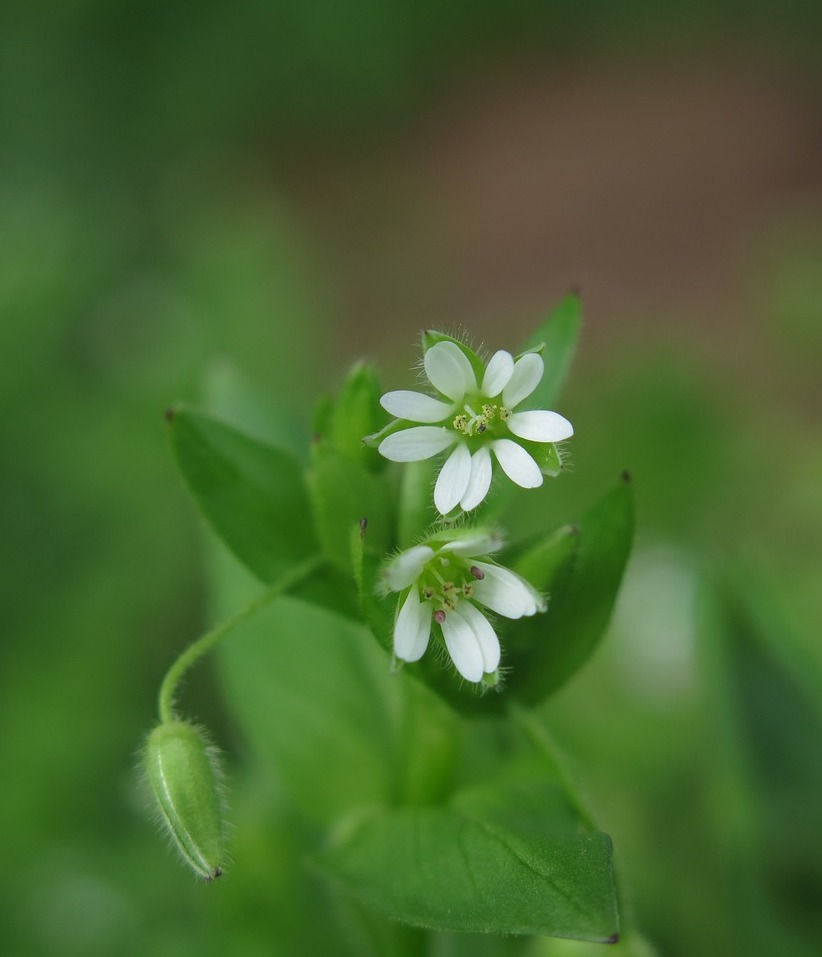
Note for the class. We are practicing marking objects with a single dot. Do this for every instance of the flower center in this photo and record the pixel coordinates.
(471, 422)
(445, 581)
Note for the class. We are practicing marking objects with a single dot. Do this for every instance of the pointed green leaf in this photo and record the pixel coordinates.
(544, 651)
(252, 494)
(766, 688)
(343, 492)
(558, 334)
(357, 413)
(505, 860)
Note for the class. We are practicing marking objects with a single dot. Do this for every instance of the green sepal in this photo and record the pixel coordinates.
(581, 568)
(546, 454)
(183, 776)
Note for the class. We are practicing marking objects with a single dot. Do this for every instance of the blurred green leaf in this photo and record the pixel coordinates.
(377, 609)
(357, 413)
(313, 697)
(252, 494)
(504, 860)
(558, 334)
(416, 501)
(581, 568)
(766, 697)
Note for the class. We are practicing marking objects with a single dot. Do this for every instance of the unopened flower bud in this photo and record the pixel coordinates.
(182, 773)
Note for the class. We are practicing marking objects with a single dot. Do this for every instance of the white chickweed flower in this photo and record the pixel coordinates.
(444, 586)
(476, 418)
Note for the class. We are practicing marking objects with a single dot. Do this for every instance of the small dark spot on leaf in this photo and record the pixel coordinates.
(626, 477)
(363, 526)
(613, 939)
(170, 413)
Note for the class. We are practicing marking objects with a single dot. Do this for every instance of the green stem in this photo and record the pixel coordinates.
(204, 644)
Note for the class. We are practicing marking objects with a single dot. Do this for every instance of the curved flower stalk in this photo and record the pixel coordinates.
(477, 416)
(445, 585)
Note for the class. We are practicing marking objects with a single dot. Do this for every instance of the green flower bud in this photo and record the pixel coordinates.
(182, 773)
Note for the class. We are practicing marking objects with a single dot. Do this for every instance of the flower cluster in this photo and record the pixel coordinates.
(476, 417)
(444, 586)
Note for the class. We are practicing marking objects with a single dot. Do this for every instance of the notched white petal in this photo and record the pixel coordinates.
(540, 426)
(479, 481)
(406, 568)
(485, 634)
(416, 406)
(517, 464)
(497, 373)
(413, 445)
(453, 479)
(463, 646)
(412, 628)
(449, 370)
(506, 593)
(527, 374)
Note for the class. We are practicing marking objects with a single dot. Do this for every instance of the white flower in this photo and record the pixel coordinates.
(444, 586)
(477, 420)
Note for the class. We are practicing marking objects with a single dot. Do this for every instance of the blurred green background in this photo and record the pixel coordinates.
(287, 186)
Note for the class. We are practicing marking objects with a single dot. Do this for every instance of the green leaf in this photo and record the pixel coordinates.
(504, 860)
(558, 334)
(582, 572)
(377, 609)
(252, 494)
(542, 563)
(357, 413)
(314, 698)
(343, 492)
(416, 501)
(766, 688)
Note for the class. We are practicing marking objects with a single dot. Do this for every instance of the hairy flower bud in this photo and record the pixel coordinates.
(182, 773)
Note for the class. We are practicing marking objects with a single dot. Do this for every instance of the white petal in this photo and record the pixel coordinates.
(486, 636)
(540, 426)
(413, 445)
(479, 481)
(517, 464)
(449, 370)
(506, 593)
(497, 373)
(474, 543)
(407, 567)
(416, 406)
(528, 370)
(463, 646)
(412, 628)
(453, 479)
